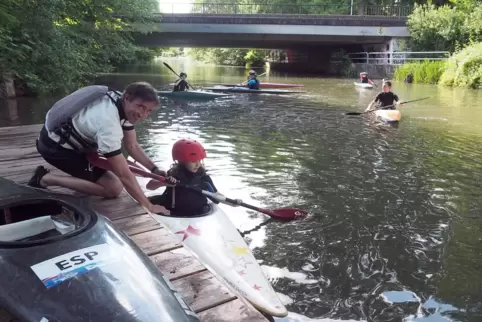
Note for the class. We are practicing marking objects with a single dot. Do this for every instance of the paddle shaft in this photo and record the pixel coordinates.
(134, 168)
(386, 107)
(172, 70)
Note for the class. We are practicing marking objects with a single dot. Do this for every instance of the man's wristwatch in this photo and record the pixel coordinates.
(154, 169)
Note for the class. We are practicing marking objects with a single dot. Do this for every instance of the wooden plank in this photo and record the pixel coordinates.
(137, 225)
(203, 291)
(27, 166)
(232, 311)
(24, 129)
(156, 241)
(177, 263)
(124, 207)
(18, 153)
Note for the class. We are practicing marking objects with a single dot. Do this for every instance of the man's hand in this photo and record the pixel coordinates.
(160, 172)
(154, 184)
(157, 209)
(121, 169)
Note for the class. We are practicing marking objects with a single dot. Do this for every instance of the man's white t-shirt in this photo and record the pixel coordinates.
(102, 123)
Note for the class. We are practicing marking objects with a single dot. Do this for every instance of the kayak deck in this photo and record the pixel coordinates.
(266, 85)
(246, 90)
(191, 94)
(210, 298)
(364, 85)
(388, 116)
(229, 257)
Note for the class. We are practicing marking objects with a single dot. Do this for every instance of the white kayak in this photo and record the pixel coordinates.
(215, 242)
(388, 115)
(363, 85)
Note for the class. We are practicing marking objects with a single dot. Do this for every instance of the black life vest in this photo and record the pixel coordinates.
(183, 201)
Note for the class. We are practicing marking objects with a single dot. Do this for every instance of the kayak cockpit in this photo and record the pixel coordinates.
(29, 222)
(206, 211)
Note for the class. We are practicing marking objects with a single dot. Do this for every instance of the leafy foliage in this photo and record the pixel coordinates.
(254, 58)
(58, 45)
(220, 56)
(456, 28)
(448, 27)
(464, 69)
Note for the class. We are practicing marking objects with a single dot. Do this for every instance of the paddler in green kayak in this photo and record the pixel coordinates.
(181, 85)
(385, 98)
(189, 170)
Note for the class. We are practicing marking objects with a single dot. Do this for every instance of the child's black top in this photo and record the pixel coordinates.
(182, 201)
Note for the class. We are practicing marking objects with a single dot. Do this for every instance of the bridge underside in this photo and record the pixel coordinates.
(271, 36)
(251, 40)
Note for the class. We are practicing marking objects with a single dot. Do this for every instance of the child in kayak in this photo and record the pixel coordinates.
(190, 171)
(385, 98)
(364, 78)
(181, 85)
(253, 82)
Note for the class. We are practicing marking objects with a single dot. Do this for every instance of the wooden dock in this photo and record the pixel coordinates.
(211, 300)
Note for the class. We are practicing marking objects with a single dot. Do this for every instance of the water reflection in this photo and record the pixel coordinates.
(394, 227)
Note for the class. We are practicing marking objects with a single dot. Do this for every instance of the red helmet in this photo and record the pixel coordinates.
(185, 150)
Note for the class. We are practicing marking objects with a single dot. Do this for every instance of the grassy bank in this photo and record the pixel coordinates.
(427, 72)
(462, 69)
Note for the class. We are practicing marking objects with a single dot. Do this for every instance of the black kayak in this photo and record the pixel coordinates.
(62, 261)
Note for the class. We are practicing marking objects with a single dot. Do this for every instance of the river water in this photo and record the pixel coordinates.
(395, 226)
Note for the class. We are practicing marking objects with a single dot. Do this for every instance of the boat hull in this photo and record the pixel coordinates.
(388, 116)
(364, 85)
(245, 90)
(267, 85)
(191, 95)
(216, 242)
(92, 273)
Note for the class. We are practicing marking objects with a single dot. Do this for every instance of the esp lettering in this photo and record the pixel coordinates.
(76, 260)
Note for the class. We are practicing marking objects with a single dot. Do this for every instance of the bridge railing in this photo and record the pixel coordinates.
(267, 8)
(396, 57)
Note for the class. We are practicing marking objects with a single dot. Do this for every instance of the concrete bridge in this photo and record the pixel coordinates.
(289, 26)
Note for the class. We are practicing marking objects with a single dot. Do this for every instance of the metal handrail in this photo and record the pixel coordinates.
(271, 8)
(396, 57)
(382, 57)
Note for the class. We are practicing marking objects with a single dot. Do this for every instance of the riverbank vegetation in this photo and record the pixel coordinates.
(427, 72)
(50, 46)
(456, 28)
(229, 56)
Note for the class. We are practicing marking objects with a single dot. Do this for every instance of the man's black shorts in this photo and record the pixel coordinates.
(69, 161)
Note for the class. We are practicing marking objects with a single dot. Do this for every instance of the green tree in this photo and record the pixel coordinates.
(447, 27)
(55, 45)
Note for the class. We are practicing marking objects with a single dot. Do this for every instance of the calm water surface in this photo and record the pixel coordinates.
(395, 226)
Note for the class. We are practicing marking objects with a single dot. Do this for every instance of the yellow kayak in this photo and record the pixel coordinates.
(388, 115)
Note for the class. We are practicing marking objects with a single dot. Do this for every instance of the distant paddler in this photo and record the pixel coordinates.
(364, 79)
(181, 85)
(253, 82)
